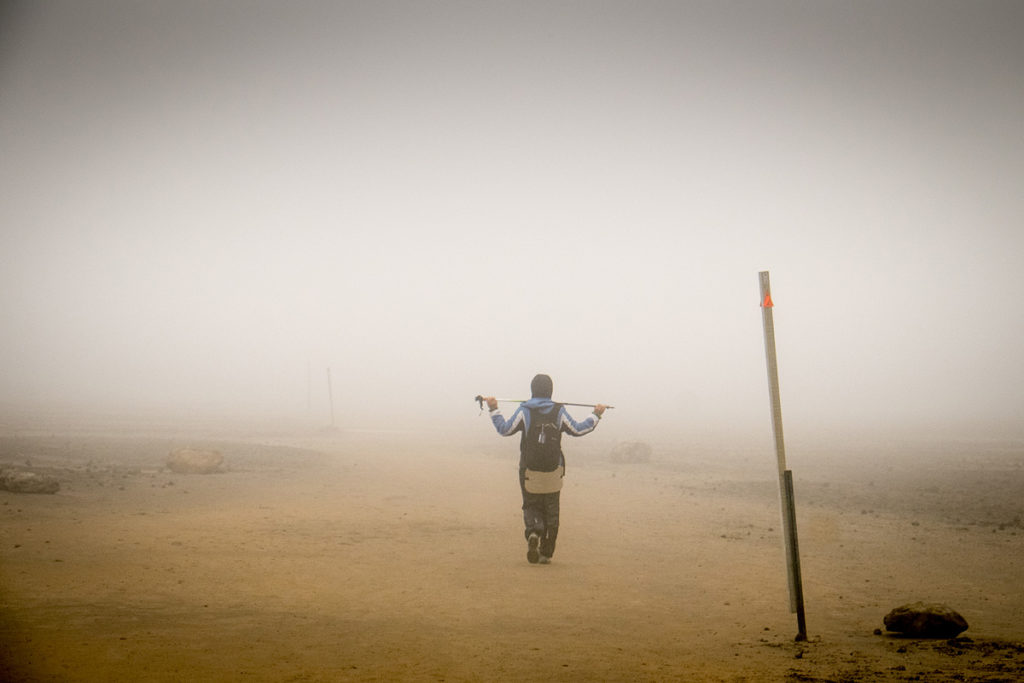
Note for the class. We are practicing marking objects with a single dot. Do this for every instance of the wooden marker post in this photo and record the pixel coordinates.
(796, 591)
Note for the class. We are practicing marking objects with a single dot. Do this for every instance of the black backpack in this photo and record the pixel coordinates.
(541, 444)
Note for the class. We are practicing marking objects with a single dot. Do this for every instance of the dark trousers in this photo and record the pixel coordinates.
(540, 516)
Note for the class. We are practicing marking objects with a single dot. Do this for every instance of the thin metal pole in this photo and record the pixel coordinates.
(796, 601)
(797, 581)
(479, 399)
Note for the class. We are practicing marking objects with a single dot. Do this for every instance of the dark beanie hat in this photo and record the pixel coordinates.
(541, 386)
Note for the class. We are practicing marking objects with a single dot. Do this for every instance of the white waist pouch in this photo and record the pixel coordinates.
(544, 482)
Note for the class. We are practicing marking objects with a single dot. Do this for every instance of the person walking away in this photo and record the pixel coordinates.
(541, 423)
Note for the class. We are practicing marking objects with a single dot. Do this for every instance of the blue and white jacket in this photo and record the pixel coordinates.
(520, 420)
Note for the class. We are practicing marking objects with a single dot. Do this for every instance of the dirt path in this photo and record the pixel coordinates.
(374, 558)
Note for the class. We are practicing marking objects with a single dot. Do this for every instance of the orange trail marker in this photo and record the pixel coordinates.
(767, 303)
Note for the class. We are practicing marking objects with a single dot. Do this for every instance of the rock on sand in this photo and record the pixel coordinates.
(925, 620)
(195, 461)
(28, 482)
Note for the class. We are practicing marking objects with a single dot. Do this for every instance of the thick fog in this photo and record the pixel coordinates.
(208, 204)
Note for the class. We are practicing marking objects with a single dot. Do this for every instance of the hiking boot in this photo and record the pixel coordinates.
(532, 551)
(544, 559)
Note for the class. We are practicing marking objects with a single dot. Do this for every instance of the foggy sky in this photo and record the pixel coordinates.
(206, 204)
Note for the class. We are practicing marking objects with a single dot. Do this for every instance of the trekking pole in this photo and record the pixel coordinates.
(480, 401)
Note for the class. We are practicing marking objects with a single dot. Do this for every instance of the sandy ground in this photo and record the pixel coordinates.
(379, 556)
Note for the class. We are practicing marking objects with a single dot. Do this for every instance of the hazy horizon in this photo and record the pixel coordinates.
(208, 204)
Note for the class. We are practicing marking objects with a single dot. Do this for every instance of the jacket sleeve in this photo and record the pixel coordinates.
(574, 428)
(510, 426)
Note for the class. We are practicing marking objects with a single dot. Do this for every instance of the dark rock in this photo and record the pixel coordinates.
(195, 461)
(631, 452)
(925, 620)
(28, 482)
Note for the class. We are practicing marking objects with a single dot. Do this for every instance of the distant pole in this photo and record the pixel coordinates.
(330, 395)
(309, 388)
(796, 592)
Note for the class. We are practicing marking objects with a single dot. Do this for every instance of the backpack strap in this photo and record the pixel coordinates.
(558, 423)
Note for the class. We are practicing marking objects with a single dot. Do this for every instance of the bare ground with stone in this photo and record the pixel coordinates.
(389, 556)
